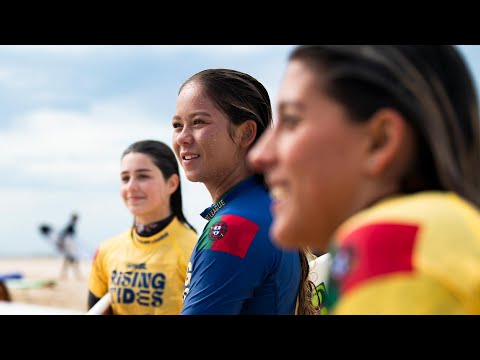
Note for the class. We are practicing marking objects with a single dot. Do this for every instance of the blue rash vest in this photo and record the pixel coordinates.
(235, 268)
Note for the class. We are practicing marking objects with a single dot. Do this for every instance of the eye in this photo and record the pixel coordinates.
(198, 122)
(288, 121)
(176, 125)
(125, 179)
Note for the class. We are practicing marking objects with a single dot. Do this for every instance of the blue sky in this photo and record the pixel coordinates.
(69, 111)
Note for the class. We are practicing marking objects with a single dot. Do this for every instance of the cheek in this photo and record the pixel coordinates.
(326, 179)
(210, 142)
(149, 188)
(175, 145)
(209, 146)
(164, 192)
(297, 153)
(123, 192)
(322, 173)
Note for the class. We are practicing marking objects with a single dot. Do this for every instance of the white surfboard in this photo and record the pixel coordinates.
(319, 269)
(13, 308)
(101, 306)
(319, 272)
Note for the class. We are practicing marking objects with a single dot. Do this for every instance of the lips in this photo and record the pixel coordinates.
(189, 156)
(277, 193)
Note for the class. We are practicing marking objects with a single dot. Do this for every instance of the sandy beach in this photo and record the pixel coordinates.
(41, 283)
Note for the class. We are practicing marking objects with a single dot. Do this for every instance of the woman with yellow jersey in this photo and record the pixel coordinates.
(144, 268)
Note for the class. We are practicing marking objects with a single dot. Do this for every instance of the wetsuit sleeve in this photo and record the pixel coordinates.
(98, 281)
(92, 300)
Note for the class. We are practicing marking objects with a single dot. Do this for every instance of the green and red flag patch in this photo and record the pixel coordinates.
(373, 250)
(231, 234)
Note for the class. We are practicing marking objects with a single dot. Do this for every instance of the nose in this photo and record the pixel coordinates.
(132, 184)
(263, 154)
(184, 136)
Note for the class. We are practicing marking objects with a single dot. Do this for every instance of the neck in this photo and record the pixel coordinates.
(146, 219)
(219, 187)
(153, 228)
(373, 193)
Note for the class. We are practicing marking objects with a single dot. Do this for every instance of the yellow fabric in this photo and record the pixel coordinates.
(399, 295)
(145, 275)
(446, 259)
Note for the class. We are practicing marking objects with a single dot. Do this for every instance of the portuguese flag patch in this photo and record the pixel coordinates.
(231, 234)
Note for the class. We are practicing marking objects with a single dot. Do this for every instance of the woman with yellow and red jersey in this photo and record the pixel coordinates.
(376, 157)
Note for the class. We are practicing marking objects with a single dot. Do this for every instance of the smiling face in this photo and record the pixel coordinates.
(144, 190)
(202, 142)
(312, 160)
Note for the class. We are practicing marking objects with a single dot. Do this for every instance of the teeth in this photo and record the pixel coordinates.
(190, 157)
(277, 193)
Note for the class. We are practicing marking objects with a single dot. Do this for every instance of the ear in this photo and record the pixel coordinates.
(172, 183)
(389, 143)
(246, 133)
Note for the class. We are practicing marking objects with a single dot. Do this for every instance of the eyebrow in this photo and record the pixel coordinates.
(291, 104)
(202, 113)
(136, 171)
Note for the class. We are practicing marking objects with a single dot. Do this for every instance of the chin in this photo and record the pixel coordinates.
(284, 238)
(192, 177)
(136, 210)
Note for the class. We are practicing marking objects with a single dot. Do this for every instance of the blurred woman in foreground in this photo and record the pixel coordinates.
(376, 157)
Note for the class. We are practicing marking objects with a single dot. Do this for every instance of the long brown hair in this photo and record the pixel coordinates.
(305, 292)
(430, 85)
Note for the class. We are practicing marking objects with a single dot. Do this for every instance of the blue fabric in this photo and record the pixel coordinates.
(264, 281)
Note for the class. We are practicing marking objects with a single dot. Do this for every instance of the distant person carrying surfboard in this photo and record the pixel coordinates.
(65, 244)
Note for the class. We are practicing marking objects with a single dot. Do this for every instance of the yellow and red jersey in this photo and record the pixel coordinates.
(412, 254)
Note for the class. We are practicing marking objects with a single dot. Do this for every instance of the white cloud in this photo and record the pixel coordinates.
(65, 146)
(76, 158)
(13, 78)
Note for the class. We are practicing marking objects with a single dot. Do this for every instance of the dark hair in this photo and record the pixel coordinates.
(241, 97)
(305, 293)
(237, 95)
(430, 85)
(164, 158)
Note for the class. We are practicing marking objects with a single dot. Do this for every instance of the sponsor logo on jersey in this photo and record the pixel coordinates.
(141, 287)
(187, 281)
(132, 266)
(220, 204)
